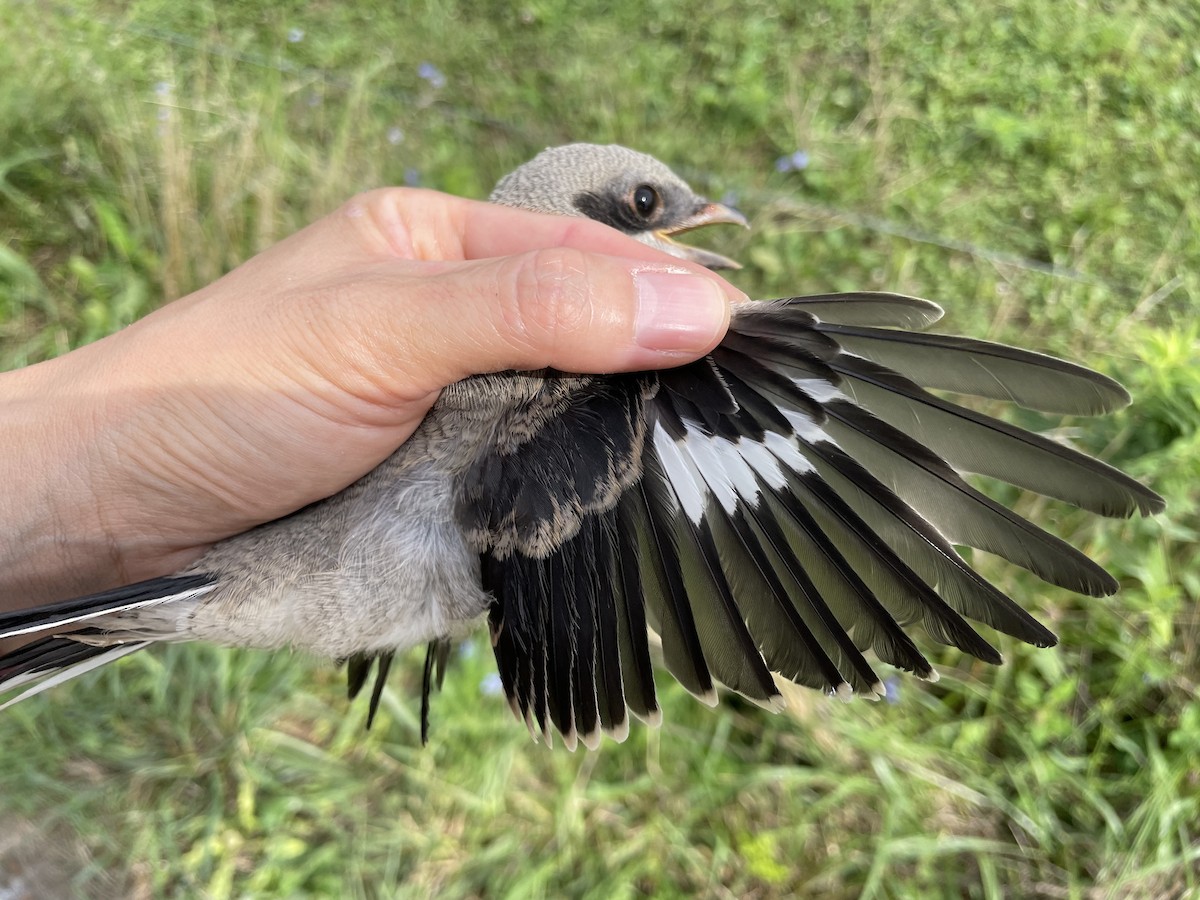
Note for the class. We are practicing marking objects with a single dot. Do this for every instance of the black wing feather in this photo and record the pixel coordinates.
(974, 442)
(786, 504)
(654, 508)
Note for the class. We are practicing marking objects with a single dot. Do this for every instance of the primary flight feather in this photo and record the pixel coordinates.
(785, 507)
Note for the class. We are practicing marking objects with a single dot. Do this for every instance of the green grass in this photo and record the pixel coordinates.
(1032, 166)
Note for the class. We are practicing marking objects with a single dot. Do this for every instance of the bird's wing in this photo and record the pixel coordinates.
(780, 506)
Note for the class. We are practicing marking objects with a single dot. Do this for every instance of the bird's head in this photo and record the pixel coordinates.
(630, 191)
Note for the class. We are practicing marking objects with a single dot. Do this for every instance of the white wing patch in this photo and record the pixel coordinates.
(723, 468)
(679, 473)
(703, 465)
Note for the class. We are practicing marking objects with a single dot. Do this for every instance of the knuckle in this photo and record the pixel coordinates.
(409, 223)
(547, 300)
(376, 203)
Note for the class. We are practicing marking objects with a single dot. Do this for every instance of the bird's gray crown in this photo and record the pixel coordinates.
(586, 179)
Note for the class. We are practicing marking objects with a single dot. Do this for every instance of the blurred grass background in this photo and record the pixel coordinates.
(1034, 167)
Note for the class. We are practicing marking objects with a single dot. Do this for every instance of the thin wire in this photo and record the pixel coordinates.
(897, 229)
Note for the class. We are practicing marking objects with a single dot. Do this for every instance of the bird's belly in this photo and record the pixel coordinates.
(398, 573)
(406, 571)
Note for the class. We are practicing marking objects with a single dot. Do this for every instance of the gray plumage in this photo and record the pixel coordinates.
(775, 509)
(625, 189)
(555, 179)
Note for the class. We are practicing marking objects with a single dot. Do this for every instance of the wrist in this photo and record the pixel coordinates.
(49, 535)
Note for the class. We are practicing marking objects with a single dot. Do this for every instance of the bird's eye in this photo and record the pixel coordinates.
(645, 200)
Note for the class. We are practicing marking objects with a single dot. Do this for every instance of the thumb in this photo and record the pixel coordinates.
(556, 307)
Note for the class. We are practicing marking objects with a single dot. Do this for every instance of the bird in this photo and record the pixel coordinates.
(788, 508)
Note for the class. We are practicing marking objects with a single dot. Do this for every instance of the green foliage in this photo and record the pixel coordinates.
(1032, 166)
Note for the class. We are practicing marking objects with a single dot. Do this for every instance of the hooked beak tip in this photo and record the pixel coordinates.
(708, 214)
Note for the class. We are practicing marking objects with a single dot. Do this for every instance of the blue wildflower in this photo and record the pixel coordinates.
(891, 689)
(412, 177)
(295, 35)
(432, 74)
(793, 162)
(491, 685)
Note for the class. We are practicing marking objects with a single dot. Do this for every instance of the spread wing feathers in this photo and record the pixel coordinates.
(785, 506)
(556, 635)
(75, 641)
(973, 442)
(984, 369)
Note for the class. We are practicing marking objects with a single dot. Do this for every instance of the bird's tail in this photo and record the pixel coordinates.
(71, 635)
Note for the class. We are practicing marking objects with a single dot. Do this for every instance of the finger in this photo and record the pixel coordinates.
(408, 223)
(428, 225)
(556, 307)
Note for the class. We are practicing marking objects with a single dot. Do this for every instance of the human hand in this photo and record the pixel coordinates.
(301, 370)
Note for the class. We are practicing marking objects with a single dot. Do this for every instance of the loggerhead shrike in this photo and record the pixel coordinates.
(777, 509)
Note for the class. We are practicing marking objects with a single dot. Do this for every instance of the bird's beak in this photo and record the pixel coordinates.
(707, 214)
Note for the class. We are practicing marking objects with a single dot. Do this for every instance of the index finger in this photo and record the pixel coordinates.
(411, 223)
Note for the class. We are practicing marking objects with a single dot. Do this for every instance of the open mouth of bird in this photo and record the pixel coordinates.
(708, 214)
